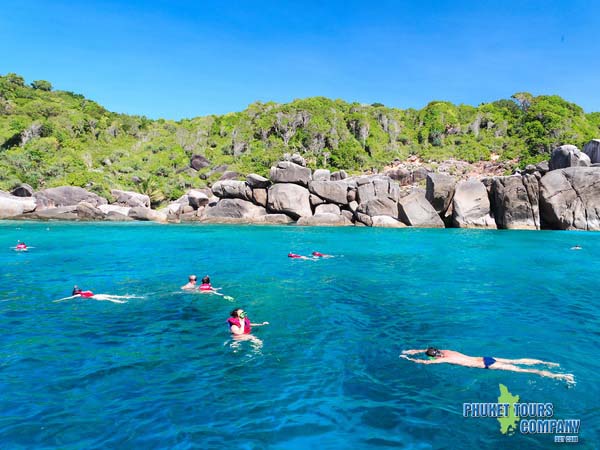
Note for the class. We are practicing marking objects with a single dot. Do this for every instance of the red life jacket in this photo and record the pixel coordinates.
(294, 255)
(205, 287)
(236, 321)
(317, 254)
(86, 294)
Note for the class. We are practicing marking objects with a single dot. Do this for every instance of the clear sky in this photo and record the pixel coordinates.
(177, 59)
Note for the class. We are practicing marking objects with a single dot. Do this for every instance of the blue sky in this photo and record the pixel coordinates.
(177, 59)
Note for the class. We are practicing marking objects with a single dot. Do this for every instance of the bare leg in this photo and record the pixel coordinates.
(526, 361)
(559, 376)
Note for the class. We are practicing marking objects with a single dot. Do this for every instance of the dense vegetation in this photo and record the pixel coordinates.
(50, 138)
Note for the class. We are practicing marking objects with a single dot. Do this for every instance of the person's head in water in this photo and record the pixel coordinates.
(433, 352)
(206, 280)
(192, 278)
(238, 313)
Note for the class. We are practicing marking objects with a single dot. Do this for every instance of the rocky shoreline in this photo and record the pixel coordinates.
(562, 194)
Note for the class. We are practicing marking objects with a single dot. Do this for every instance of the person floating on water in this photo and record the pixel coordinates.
(239, 323)
(321, 255)
(484, 362)
(191, 284)
(576, 247)
(297, 256)
(81, 293)
(206, 286)
(21, 246)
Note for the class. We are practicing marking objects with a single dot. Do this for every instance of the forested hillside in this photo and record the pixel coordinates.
(50, 138)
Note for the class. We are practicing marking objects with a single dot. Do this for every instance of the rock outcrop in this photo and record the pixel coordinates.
(234, 208)
(592, 150)
(516, 204)
(570, 199)
(66, 196)
(416, 211)
(568, 156)
(131, 199)
(290, 199)
(288, 172)
(471, 206)
(12, 206)
(331, 191)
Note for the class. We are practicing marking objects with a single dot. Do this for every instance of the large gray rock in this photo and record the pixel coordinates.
(23, 190)
(290, 199)
(196, 198)
(59, 213)
(232, 189)
(275, 219)
(440, 191)
(386, 222)
(516, 202)
(471, 206)
(147, 214)
(114, 216)
(416, 211)
(379, 186)
(570, 199)
(131, 199)
(11, 206)
(379, 207)
(235, 208)
(288, 172)
(66, 196)
(325, 220)
(259, 196)
(327, 208)
(86, 211)
(592, 149)
(568, 156)
(256, 181)
(315, 200)
(332, 191)
(107, 209)
(322, 175)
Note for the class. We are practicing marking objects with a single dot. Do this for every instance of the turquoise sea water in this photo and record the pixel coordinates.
(162, 372)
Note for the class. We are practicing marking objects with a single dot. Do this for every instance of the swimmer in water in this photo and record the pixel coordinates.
(321, 255)
(191, 284)
(239, 323)
(484, 362)
(577, 247)
(206, 286)
(296, 256)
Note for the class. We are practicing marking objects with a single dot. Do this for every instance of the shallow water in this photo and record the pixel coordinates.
(162, 372)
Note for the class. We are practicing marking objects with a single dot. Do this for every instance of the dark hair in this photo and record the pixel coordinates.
(206, 280)
(432, 351)
(234, 313)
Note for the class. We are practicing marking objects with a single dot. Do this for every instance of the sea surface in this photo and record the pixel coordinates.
(161, 371)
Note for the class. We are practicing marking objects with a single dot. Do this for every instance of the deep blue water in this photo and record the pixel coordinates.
(162, 372)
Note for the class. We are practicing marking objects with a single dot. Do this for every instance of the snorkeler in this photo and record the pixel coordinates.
(78, 293)
(239, 323)
(21, 246)
(484, 362)
(321, 255)
(191, 284)
(297, 256)
(576, 247)
(206, 286)
(81, 293)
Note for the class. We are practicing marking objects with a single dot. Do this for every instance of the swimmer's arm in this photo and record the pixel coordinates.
(423, 361)
(412, 352)
(259, 324)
